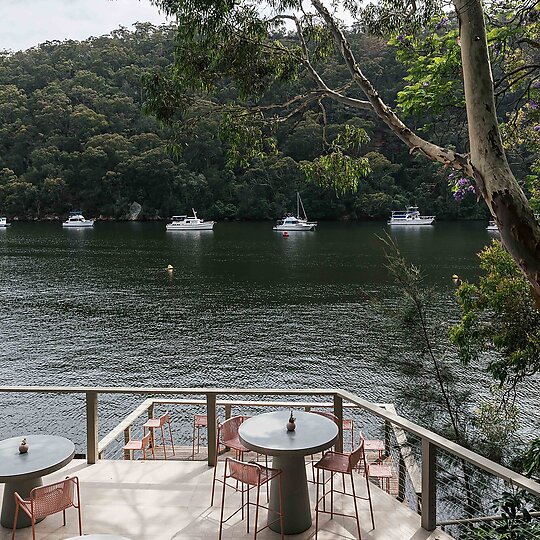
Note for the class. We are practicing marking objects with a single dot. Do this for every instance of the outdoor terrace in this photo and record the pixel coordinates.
(171, 499)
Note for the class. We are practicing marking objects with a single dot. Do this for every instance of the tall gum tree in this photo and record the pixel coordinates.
(236, 40)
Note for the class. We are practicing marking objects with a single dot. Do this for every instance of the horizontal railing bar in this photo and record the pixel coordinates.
(170, 391)
(240, 403)
(437, 440)
(448, 446)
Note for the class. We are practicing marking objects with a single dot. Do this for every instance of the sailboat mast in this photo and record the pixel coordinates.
(298, 204)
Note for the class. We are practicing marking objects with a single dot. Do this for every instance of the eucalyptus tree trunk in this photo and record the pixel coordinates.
(494, 179)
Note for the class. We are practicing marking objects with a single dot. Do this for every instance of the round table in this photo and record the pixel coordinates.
(267, 434)
(23, 472)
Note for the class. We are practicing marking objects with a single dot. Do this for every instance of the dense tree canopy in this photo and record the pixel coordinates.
(73, 134)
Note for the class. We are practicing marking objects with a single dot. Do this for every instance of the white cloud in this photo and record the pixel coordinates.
(26, 23)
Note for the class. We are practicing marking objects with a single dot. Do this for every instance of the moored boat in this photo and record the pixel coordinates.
(77, 220)
(409, 217)
(492, 226)
(296, 223)
(3, 222)
(189, 223)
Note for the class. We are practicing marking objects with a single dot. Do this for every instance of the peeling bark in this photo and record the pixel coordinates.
(507, 202)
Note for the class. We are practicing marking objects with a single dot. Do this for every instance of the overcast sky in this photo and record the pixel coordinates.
(25, 23)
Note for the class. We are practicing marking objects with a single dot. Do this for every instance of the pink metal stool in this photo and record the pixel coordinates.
(383, 474)
(227, 437)
(199, 421)
(140, 444)
(157, 423)
(248, 476)
(343, 464)
(348, 425)
(330, 416)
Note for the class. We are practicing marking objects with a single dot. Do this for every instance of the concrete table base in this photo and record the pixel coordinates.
(296, 505)
(23, 488)
(267, 434)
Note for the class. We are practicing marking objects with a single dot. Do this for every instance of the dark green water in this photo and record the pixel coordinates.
(243, 307)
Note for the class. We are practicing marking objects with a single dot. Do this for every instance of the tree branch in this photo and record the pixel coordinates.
(432, 151)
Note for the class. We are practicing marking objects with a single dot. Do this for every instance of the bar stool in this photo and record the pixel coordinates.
(248, 476)
(371, 446)
(158, 423)
(383, 474)
(140, 444)
(227, 437)
(330, 416)
(199, 421)
(343, 464)
(348, 425)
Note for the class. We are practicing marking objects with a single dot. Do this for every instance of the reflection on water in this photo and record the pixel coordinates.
(244, 306)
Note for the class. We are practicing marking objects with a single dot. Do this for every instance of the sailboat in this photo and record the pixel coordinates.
(296, 223)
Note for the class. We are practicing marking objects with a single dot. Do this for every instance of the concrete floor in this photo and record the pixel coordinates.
(145, 500)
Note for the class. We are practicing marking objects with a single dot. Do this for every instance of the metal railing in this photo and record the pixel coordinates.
(430, 445)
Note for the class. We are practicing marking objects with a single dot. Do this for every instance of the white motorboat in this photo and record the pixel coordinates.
(492, 226)
(77, 220)
(3, 222)
(296, 223)
(410, 217)
(189, 223)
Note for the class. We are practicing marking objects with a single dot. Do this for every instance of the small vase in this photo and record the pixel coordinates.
(23, 447)
(291, 424)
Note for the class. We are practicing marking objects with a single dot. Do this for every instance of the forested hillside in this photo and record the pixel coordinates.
(73, 134)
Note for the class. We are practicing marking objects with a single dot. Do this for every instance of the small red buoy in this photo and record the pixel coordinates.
(285, 234)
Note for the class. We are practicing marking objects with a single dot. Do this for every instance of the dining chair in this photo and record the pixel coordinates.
(49, 499)
(157, 423)
(140, 444)
(199, 421)
(344, 464)
(248, 476)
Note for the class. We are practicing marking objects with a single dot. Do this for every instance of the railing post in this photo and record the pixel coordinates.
(338, 412)
(429, 485)
(127, 436)
(228, 411)
(91, 427)
(211, 416)
(151, 411)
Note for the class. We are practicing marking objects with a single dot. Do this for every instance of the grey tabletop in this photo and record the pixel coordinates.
(267, 433)
(46, 454)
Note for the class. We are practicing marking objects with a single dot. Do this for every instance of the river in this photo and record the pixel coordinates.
(244, 306)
